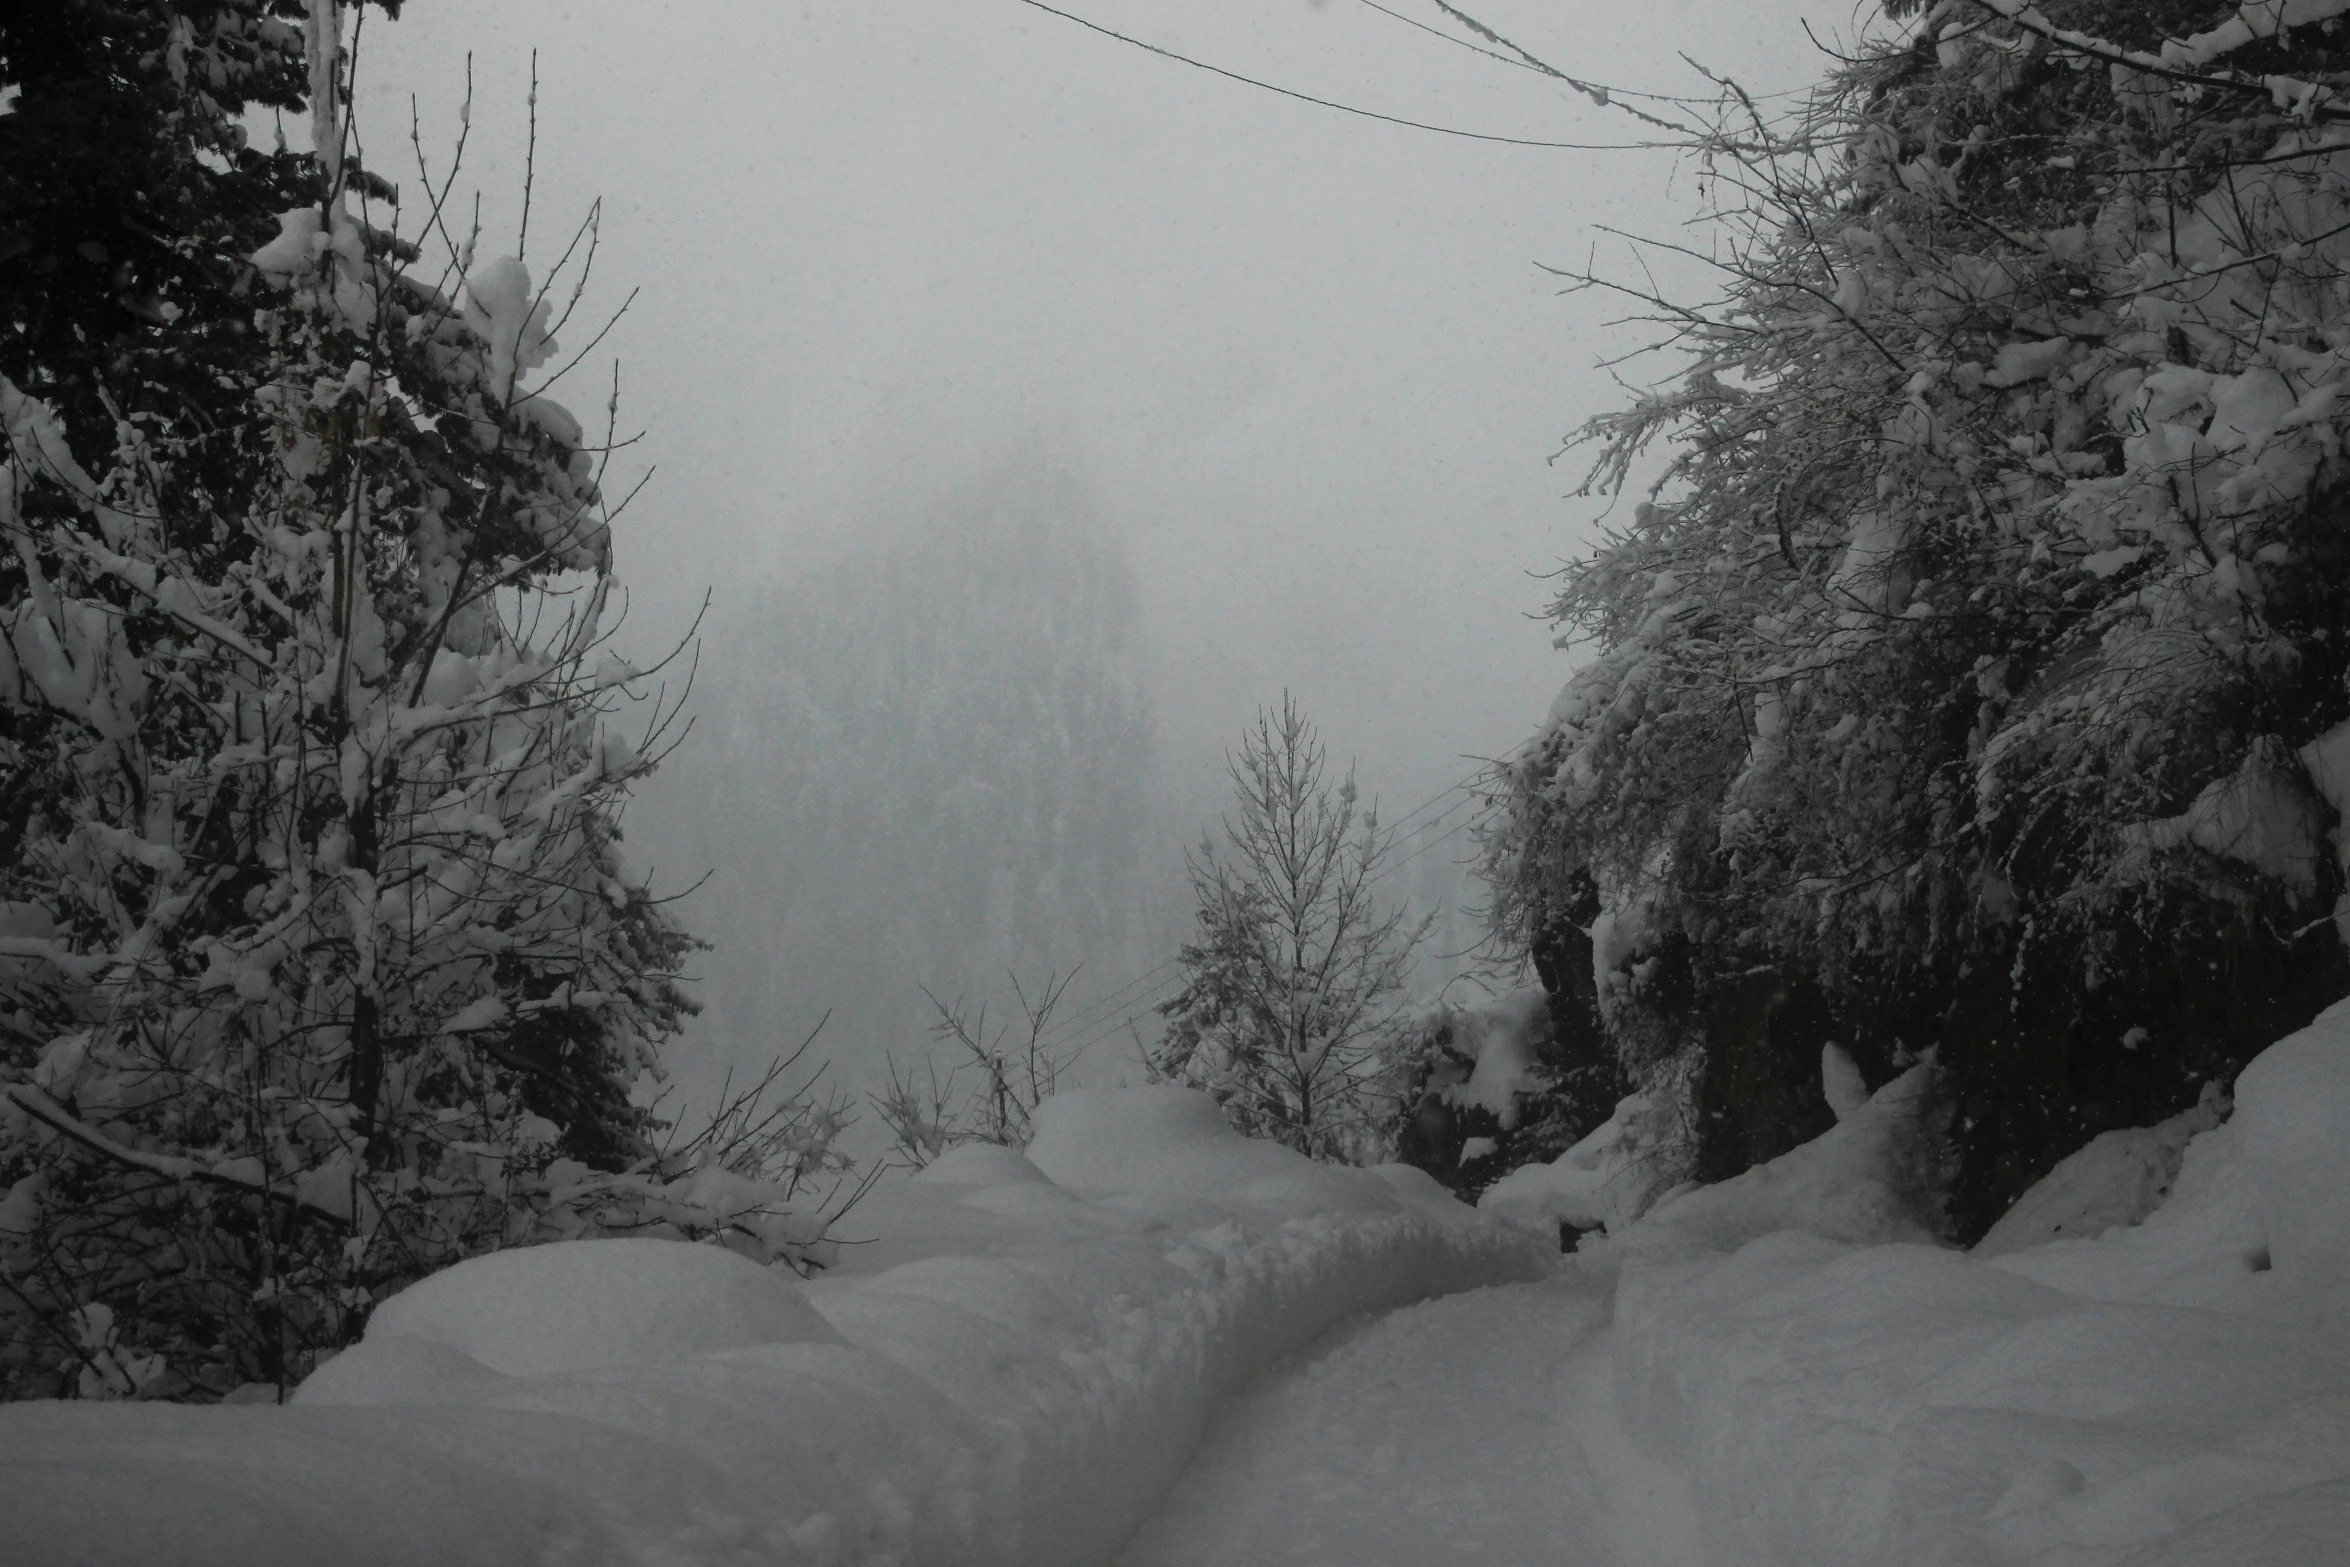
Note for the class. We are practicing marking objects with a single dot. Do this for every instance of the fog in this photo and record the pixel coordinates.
(1028, 409)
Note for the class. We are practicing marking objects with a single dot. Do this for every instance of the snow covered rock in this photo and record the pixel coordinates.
(1872, 1178)
(2293, 1122)
(1174, 1141)
(1606, 1180)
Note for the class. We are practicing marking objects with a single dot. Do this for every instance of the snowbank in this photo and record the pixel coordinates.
(1015, 1358)
(1840, 1391)
(1608, 1179)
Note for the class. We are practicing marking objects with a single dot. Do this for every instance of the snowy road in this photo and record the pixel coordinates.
(1476, 1428)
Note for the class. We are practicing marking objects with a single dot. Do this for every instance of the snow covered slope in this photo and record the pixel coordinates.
(1011, 1369)
(2169, 1394)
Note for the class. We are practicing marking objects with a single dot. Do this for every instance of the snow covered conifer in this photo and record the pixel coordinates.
(1297, 964)
(324, 967)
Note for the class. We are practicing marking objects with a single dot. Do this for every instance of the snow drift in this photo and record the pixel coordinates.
(2174, 1391)
(1010, 1367)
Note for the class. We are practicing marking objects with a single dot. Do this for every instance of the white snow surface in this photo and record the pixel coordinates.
(1785, 1369)
(1010, 1367)
(2176, 1392)
(2148, 1367)
(1479, 1428)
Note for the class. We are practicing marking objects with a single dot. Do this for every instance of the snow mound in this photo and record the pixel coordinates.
(1606, 1180)
(1172, 1140)
(577, 1305)
(1003, 1370)
(2113, 1183)
(2293, 1117)
(980, 1164)
(2173, 1392)
(1869, 1179)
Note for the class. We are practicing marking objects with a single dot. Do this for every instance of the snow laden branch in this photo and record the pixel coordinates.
(321, 961)
(1981, 617)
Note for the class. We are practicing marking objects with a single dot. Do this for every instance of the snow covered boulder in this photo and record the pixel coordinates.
(1872, 1178)
(2258, 1220)
(1170, 1140)
(2293, 1119)
(2113, 1183)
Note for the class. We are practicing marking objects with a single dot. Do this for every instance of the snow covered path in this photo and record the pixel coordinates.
(1480, 1427)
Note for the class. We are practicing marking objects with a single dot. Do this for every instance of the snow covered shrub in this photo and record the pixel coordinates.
(1295, 971)
(1490, 1085)
(323, 967)
(1969, 676)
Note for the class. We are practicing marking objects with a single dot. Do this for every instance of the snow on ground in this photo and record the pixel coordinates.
(2151, 1368)
(1479, 1428)
(1011, 1369)
(2172, 1393)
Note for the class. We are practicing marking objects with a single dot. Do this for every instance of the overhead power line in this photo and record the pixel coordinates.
(1327, 103)
(1060, 1032)
(1462, 43)
(1458, 828)
(1118, 1024)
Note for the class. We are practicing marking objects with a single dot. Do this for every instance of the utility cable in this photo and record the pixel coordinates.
(1327, 103)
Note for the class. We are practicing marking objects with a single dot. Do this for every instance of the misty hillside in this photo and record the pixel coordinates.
(927, 763)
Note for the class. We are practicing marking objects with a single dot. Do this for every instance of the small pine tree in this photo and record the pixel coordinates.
(1297, 964)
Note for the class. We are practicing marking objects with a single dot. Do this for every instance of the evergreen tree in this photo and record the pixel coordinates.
(1972, 680)
(324, 967)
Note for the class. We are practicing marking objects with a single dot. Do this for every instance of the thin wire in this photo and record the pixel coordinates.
(1434, 822)
(1458, 828)
(1097, 1010)
(1438, 32)
(1599, 92)
(1114, 1025)
(1326, 103)
(1406, 821)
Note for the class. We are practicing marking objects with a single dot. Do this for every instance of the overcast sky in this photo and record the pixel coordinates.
(1307, 360)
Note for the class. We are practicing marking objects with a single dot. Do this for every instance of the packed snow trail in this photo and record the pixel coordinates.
(1476, 1428)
